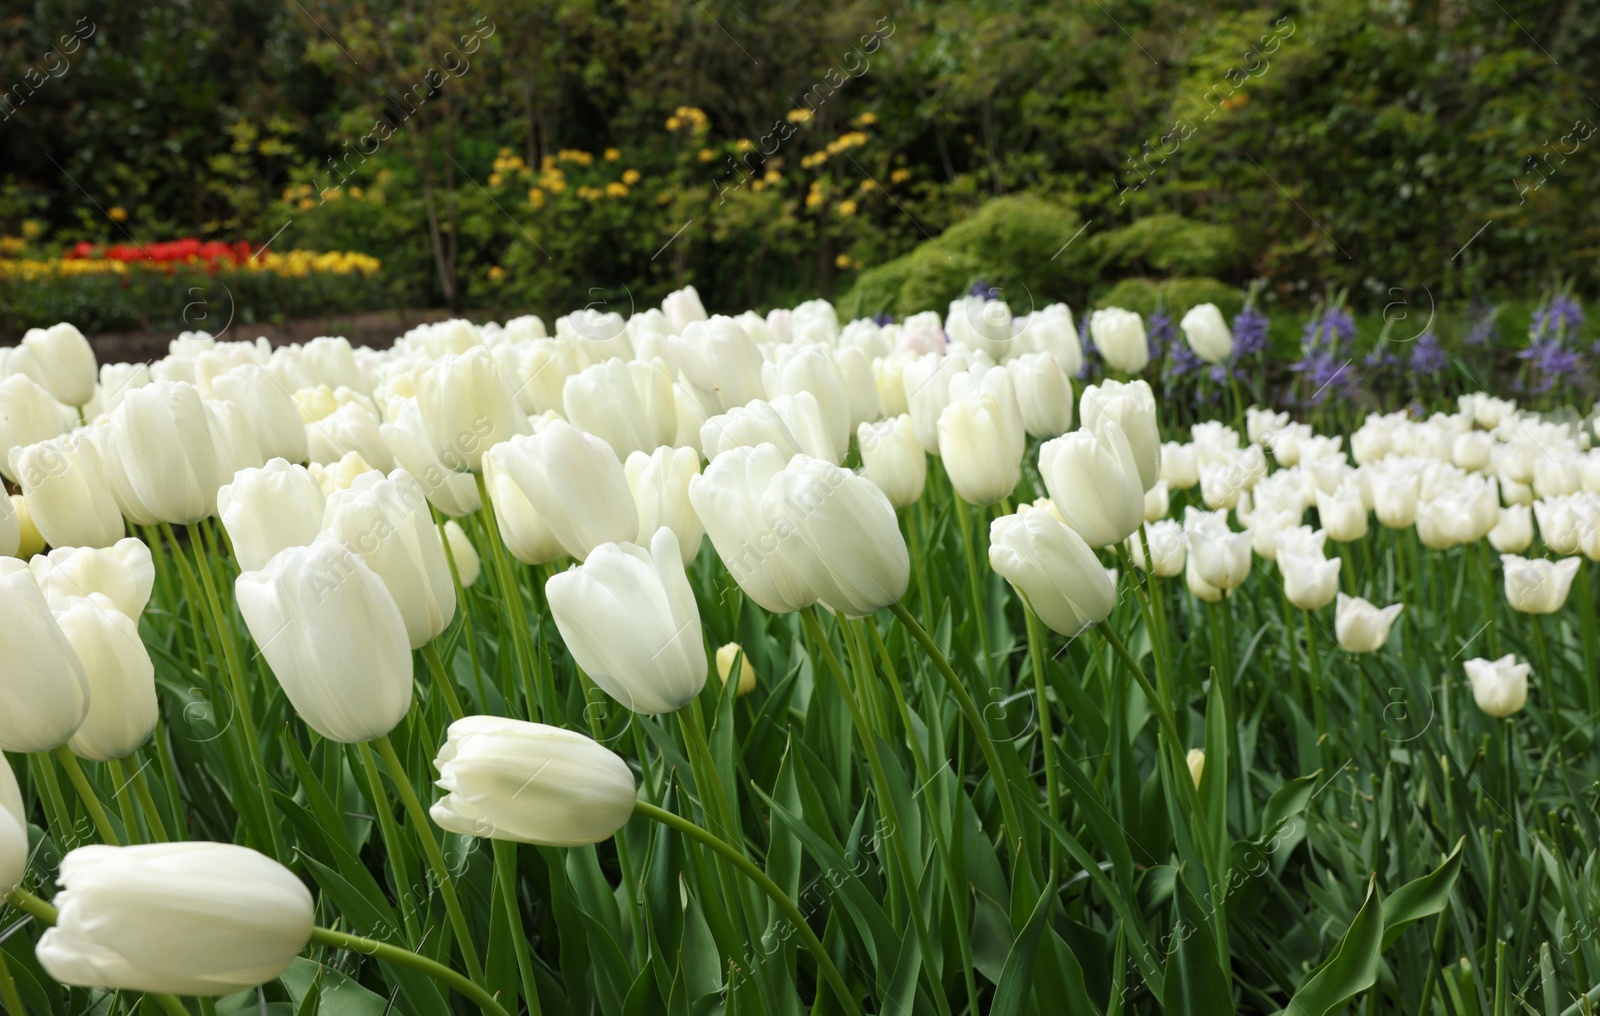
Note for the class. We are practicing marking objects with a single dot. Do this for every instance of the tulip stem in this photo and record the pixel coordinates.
(779, 898)
(1314, 665)
(1002, 787)
(8, 989)
(391, 840)
(514, 632)
(1544, 648)
(135, 775)
(91, 801)
(447, 885)
(407, 958)
(505, 868)
(45, 913)
(1036, 647)
(469, 635)
(441, 678)
(974, 581)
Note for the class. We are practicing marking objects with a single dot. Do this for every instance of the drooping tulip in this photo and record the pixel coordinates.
(265, 510)
(334, 637)
(68, 495)
(122, 678)
(1133, 406)
(386, 521)
(747, 674)
(125, 572)
(530, 783)
(1499, 687)
(576, 485)
(65, 361)
(660, 484)
(1309, 581)
(893, 459)
(162, 438)
(1052, 566)
(657, 661)
(1094, 482)
(1362, 627)
(467, 407)
(1119, 336)
(195, 918)
(44, 692)
(1537, 586)
(1207, 333)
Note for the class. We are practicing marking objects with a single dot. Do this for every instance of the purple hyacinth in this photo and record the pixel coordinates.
(1332, 328)
(1220, 373)
(1380, 358)
(983, 289)
(1323, 371)
(1483, 328)
(882, 318)
(1184, 361)
(1426, 356)
(1562, 315)
(1160, 332)
(1551, 361)
(1249, 333)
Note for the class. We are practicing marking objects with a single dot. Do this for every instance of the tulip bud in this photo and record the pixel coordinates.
(1168, 547)
(44, 692)
(530, 783)
(893, 459)
(660, 485)
(1119, 336)
(386, 521)
(1538, 586)
(1343, 514)
(657, 662)
(1220, 557)
(981, 443)
(1196, 760)
(122, 679)
(269, 410)
(524, 533)
(466, 407)
(162, 438)
(1499, 687)
(1309, 581)
(1513, 532)
(454, 494)
(1094, 481)
(1362, 627)
(811, 370)
(265, 510)
(334, 637)
(125, 572)
(1394, 499)
(575, 484)
(629, 405)
(1044, 393)
(10, 527)
(68, 497)
(468, 565)
(1053, 568)
(28, 415)
(1208, 335)
(13, 830)
(65, 361)
(1133, 406)
(186, 918)
(747, 673)
(1178, 465)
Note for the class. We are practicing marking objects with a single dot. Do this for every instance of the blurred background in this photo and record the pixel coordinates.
(408, 159)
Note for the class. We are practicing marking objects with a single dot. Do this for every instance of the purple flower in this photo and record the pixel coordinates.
(1160, 332)
(1332, 328)
(1322, 370)
(1091, 355)
(1249, 333)
(1561, 316)
(882, 318)
(983, 289)
(1183, 361)
(1552, 362)
(1220, 373)
(1483, 327)
(1426, 356)
(1380, 358)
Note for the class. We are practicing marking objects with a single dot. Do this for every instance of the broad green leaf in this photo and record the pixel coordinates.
(1196, 983)
(1421, 897)
(1016, 980)
(1286, 802)
(1353, 967)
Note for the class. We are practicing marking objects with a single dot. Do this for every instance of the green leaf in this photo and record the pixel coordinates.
(1353, 967)
(1421, 897)
(328, 992)
(1196, 983)
(1016, 980)
(1286, 802)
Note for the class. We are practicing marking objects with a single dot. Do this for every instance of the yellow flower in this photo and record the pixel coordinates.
(866, 119)
(868, 185)
(673, 123)
(331, 194)
(799, 115)
(744, 145)
(847, 207)
(11, 245)
(663, 198)
(813, 199)
(306, 203)
(842, 261)
(356, 192)
(757, 185)
(535, 197)
(31, 228)
(616, 190)
(612, 154)
(383, 176)
(503, 153)
(496, 273)
(630, 176)
(772, 176)
(118, 213)
(494, 179)
(900, 175)
(706, 155)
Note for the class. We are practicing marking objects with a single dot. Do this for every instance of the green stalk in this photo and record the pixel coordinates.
(1314, 666)
(505, 873)
(8, 989)
(974, 580)
(56, 809)
(1544, 648)
(747, 868)
(1349, 570)
(430, 848)
(134, 773)
(91, 800)
(441, 678)
(1036, 645)
(130, 820)
(407, 958)
(1002, 787)
(509, 589)
(1586, 618)
(391, 839)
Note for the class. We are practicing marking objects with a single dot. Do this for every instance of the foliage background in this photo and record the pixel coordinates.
(1366, 150)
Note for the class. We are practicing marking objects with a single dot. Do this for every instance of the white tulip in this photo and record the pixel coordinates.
(1119, 336)
(1169, 548)
(122, 679)
(1220, 557)
(1361, 627)
(69, 497)
(575, 484)
(65, 361)
(1178, 465)
(893, 459)
(1053, 568)
(1513, 531)
(1044, 393)
(1207, 333)
(125, 572)
(630, 405)
(524, 533)
(1499, 687)
(273, 417)
(1133, 406)
(1538, 586)
(265, 510)
(467, 408)
(44, 692)
(1342, 513)
(660, 484)
(1309, 581)
(28, 415)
